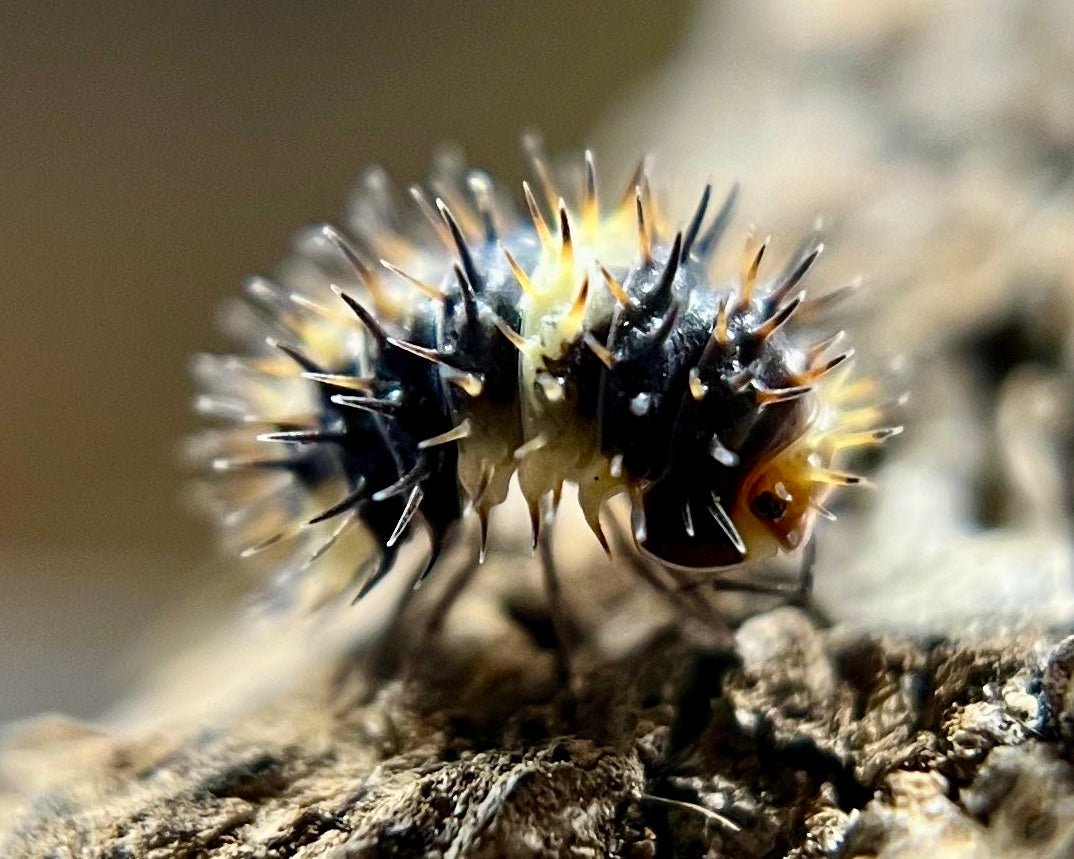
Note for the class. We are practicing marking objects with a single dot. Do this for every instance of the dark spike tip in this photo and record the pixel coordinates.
(405, 483)
(660, 334)
(660, 297)
(425, 354)
(368, 319)
(707, 243)
(644, 239)
(469, 296)
(295, 355)
(792, 278)
(349, 252)
(435, 549)
(663, 291)
(694, 227)
(779, 318)
(348, 501)
(466, 259)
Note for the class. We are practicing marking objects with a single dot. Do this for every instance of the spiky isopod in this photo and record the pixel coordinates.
(408, 373)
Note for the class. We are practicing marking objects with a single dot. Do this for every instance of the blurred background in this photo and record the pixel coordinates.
(152, 156)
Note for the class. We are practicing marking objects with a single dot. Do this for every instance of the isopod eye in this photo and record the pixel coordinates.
(768, 505)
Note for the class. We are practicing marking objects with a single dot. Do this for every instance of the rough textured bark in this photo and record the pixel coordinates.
(796, 741)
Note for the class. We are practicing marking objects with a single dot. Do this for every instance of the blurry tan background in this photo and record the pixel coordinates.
(153, 154)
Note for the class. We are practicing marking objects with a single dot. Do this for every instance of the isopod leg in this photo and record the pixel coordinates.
(804, 595)
(800, 594)
(803, 598)
(458, 583)
(416, 659)
(556, 608)
(686, 601)
(701, 606)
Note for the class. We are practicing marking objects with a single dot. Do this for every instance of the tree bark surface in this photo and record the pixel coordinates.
(796, 741)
